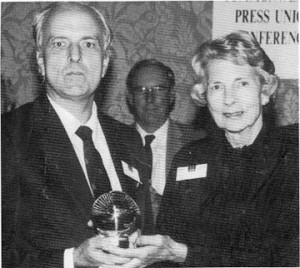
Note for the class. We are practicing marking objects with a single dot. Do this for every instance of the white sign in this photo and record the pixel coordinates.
(273, 23)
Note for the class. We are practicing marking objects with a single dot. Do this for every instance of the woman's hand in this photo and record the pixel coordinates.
(151, 249)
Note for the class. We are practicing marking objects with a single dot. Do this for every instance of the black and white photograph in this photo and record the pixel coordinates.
(150, 134)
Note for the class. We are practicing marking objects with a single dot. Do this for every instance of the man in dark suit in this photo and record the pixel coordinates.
(48, 185)
(151, 98)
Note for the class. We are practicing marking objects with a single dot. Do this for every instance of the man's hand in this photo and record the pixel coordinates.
(91, 253)
(151, 249)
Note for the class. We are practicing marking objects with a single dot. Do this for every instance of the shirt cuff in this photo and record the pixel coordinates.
(68, 258)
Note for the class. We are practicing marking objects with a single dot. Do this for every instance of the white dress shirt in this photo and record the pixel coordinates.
(159, 153)
(71, 124)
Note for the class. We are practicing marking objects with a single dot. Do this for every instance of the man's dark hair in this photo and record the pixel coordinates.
(148, 63)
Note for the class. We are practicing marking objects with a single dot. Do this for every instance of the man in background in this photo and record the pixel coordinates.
(151, 98)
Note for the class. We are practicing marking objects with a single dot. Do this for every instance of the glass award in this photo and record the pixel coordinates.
(115, 214)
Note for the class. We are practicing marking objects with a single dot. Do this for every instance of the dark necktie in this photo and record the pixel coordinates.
(148, 150)
(96, 172)
(154, 196)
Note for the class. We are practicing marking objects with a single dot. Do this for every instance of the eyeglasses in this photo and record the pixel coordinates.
(154, 89)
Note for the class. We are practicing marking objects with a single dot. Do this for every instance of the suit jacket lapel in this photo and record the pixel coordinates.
(115, 133)
(134, 144)
(174, 143)
(60, 159)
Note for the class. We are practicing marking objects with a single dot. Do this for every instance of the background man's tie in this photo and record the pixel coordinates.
(148, 150)
(154, 196)
(96, 172)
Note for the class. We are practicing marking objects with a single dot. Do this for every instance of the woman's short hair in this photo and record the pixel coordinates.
(41, 20)
(238, 47)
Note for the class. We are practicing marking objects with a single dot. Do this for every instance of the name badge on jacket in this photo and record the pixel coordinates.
(191, 172)
(131, 172)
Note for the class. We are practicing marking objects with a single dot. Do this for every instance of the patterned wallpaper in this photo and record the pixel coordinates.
(167, 31)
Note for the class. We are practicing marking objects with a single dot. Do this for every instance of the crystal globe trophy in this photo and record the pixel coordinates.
(115, 214)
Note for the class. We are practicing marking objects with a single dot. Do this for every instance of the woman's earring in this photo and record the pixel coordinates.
(265, 101)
